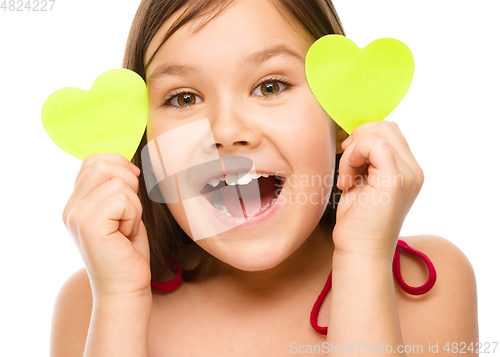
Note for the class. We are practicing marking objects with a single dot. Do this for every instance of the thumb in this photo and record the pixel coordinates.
(140, 242)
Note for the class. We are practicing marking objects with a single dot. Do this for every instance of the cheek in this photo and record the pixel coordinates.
(308, 137)
(152, 129)
(306, 140)
(179, 214)
(156, 127)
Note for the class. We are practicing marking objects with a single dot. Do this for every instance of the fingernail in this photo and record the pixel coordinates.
(347, 141)
(135, 168)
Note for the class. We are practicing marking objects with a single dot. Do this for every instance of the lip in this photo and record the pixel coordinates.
(242, 223)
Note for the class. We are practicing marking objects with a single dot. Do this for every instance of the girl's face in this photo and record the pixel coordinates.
(279, 124)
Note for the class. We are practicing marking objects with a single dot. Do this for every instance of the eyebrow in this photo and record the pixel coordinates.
(254, 59)
(266, 54)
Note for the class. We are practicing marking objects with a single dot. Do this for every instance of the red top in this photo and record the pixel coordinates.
(396, 269)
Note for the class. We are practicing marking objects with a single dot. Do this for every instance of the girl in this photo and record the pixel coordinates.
(150, 289)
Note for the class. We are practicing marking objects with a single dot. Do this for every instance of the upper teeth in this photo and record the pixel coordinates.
(242, 178)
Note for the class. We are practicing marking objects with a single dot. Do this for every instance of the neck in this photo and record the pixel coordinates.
(310, 265)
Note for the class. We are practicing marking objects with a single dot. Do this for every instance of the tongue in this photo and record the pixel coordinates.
(234, 207)
(252, 197)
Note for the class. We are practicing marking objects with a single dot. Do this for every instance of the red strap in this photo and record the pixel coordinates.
(317, 305)
(396, 268)
(166, 286)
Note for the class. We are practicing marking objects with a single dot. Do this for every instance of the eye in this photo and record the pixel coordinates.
(182, 100)
(271, 87)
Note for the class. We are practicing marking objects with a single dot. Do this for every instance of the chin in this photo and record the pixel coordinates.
(255, 249)
(251, 253)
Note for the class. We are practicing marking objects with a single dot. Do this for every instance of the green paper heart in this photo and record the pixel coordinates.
(358, 85)
(110, 117)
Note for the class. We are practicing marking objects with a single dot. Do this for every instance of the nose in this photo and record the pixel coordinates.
(233, 129)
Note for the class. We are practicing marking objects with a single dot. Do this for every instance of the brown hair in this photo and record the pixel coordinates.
(166, 238)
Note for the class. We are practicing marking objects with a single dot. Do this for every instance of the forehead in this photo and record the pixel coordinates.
(244, 27)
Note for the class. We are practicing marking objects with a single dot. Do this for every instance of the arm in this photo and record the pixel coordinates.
(103, 326)
(71, 316)
(119, 326)
(380, 180)
(363, 309)
(103, 216)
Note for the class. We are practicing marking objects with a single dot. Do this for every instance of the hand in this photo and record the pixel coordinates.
(380, 180)
(103, 215)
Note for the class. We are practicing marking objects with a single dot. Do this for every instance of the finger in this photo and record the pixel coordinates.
(140, 241)
(116, 158)
(391, 132)
(369, 149)
(114, 186)
(396, 125)
(360, 129)
(116, 213)
(401, 176)
(99, 173)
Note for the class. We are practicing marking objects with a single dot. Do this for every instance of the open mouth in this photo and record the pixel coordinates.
(269, 188)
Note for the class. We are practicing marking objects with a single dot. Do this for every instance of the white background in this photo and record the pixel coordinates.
(449, 117)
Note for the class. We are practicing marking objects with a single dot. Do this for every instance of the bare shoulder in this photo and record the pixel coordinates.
(71, 316)
(446, 313)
